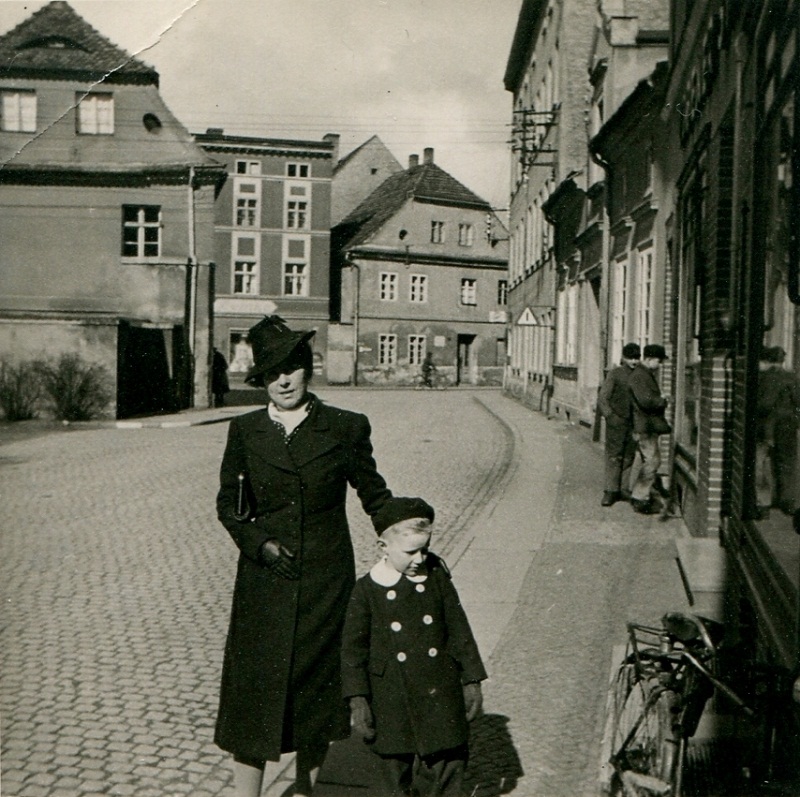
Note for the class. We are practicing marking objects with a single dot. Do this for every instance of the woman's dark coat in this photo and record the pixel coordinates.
(281, 682)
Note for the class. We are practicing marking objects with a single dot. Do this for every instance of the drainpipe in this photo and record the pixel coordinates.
(356, 302)
(191, 266)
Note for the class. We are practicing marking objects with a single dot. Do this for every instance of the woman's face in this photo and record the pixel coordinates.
(288, 390)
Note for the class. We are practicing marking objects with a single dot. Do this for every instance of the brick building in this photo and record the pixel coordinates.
(107, 212)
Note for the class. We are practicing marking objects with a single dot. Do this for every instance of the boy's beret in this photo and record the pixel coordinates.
(397, 509)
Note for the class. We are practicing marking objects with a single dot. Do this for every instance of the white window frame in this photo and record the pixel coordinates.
(571, 348)
(417, 349)
(502, 292)
(387, 349)
(139, 226)
(18, 111)
(437, 232)
(387, 286)
(297, 270)
(245, 167)
(418, 288)
(246, 203)
(644, 295)
(297, 206)
(466, 234)
(245, 268)
(619, 308)
(95, 114)
(298, 170)
(469, 292)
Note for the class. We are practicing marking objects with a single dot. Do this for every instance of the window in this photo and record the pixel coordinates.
(466, 234)
(296, 206)
(248, 167)
(418, 288)
(644, 296)
(245, 265)
(437, 232)
(246, 195)
(388, 286)
(95, 114)
(295, 266)
(387, 349)
(416, 349)
(297, 170)
(502, 292)
(469, 291)
(18, 111)
(619, 308)
(141, 231)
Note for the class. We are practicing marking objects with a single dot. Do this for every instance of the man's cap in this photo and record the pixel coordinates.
(397, 509)
(272, 343)
(655, 350)
(632, 351)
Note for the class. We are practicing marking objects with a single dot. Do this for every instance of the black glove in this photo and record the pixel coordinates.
(280, 560)
(361, 718)
(473, 700)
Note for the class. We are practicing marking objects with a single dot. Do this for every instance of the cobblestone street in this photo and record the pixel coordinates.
(116, 582)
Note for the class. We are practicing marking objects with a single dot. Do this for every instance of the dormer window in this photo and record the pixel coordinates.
(95, 114)
(52, 43)
(18, 111)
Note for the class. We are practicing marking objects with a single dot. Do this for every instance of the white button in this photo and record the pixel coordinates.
(433, 652)
(427, 619)
(401, 656)
(391, 595)
(396, 626)
(420, 588)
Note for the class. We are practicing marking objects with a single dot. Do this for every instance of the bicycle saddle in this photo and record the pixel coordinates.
(689, 628)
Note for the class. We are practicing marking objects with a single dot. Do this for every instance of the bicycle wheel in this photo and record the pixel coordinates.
(644, 746)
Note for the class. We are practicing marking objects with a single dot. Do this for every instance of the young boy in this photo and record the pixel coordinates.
(410, 665)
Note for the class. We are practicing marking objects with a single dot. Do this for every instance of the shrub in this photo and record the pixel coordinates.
(78, 390)
(20, 389)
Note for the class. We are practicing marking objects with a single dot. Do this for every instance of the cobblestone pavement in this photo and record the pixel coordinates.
(116, 582)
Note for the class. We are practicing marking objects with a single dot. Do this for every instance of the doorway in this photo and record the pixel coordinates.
(465, 367)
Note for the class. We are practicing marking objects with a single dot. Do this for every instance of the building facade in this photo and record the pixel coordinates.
(271, 240)
(422, 264)
(107, 214)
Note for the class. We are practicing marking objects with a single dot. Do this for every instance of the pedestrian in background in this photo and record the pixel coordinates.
(219, 378)
(428, 370)
(614, 402)
(411, 669)
(283, 485)
(648, 423)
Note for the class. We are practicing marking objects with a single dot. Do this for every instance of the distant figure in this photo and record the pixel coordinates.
(778, 413)
(242, 357)
(411, 669)
(428, 370)
(219, 378)
(614, 402)
(648, 423)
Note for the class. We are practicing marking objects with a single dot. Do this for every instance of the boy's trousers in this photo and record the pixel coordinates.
(438, 774)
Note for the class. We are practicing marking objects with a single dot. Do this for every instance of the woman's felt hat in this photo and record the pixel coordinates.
(272, 342)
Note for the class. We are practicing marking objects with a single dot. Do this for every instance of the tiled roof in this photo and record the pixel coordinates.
(425, 183)
(55, 42)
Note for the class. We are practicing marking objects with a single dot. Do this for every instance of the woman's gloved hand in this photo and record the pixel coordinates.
(361, 718)
(473, 700)
(280, 560)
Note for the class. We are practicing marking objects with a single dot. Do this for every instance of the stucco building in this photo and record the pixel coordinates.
(107, 216)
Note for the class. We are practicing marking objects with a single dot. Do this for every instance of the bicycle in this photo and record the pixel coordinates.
(659, 694)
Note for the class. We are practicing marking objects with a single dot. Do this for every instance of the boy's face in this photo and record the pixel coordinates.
(407, 552)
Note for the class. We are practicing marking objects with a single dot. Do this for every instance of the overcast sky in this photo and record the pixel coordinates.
(419, 73)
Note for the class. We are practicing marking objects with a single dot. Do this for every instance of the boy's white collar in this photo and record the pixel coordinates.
(384, 574)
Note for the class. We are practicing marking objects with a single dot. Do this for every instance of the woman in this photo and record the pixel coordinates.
(283, 485)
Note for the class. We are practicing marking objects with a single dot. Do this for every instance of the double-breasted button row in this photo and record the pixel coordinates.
(432, 652)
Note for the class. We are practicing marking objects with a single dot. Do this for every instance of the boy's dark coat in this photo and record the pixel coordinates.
(418, 703)
(283, 647)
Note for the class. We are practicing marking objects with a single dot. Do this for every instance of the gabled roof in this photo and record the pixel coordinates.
(425, 183)
(56, 43)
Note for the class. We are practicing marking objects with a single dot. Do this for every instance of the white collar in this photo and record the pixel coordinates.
(384, 574)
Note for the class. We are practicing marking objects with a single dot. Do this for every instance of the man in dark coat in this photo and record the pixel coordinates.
(614, 402)
(410, 665)
(648, 423)
(283, 485)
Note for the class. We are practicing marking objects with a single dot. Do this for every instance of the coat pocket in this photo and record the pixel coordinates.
(377, 665)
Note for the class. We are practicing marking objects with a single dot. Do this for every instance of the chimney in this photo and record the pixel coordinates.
(427, 156)
(413, 160)
(333, 138)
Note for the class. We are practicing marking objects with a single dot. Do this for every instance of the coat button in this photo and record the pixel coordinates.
(420, 588)
(391, 595)
(401, 656)
(396, 626)
(427, 619)
(433, 652)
